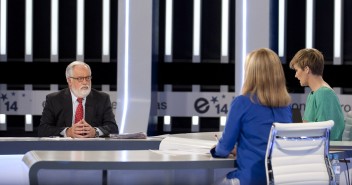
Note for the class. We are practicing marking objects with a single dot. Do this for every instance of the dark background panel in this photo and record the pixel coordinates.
(210, 36)
(211, 30)
(195, 73)
(274, 25)
(168, 73)
(181, 125)
(93, 22)
(347, 32)
(232, 28)
(113, 30)
(296, 14)
(67, 29)
(52, 73)
(41, 29)
(182, 38)
(15, 30)
(160, 31)
(208, 124)
(324, 38)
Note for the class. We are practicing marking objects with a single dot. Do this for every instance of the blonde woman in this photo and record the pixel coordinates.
(264, 100)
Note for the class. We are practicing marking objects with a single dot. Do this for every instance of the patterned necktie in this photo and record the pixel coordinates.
(79, 111)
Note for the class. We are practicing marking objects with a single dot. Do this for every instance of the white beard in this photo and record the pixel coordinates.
(82, 92)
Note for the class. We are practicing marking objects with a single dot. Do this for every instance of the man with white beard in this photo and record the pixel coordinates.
(77, 111)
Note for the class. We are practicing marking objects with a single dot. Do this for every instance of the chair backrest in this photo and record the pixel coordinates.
(297, 153)
(347, 133)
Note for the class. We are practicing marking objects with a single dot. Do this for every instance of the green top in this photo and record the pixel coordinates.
(323, 105)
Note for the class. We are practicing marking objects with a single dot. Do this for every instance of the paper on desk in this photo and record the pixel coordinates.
(138, 135)
(186, 145)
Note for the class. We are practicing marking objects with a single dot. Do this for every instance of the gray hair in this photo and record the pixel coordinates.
(70, 67)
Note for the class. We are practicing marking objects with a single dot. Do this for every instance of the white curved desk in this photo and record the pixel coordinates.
(124, 160)
(141, 163)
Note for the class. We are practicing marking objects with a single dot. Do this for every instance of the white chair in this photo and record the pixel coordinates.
(297, 153)
(347, 133)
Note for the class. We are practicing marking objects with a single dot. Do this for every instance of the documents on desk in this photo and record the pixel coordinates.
(178, 146)
(138, 135)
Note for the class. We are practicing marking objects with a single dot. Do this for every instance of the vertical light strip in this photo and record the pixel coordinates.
(106, 31)
(309, 23)
(167, 120)
(28, 123)
(196, 43)
(168, 30)
(223, 120)
(54, 30)
(80, 29)
(29, 119)
(337, 28)
(196, 30)
(282, 32)
(3, 29)
(2, 118)
(195, 120)
(225, 29)
(244, 40)
(29, 30)
(126, 62)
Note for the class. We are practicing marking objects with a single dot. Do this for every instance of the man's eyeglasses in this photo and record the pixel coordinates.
(80, 79)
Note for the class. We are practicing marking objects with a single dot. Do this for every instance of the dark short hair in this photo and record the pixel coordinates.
(310, 57)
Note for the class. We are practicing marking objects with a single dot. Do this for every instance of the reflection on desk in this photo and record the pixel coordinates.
(131, 160)
(21, 145)
(198, 135)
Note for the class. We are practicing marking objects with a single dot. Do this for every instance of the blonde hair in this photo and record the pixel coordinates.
(264, 77)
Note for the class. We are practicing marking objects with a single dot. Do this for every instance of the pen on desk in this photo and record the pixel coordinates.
(216, 138)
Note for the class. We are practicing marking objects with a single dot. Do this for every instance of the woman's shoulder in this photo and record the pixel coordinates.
(244, 99)
(325, 94)
(325, 91)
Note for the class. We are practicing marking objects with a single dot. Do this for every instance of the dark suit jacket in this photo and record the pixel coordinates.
(57, 113)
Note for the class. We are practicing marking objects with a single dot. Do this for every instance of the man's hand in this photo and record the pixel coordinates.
(81, 129)
(234, 151)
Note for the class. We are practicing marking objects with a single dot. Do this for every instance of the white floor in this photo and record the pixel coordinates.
(13, 171)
